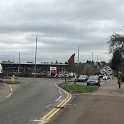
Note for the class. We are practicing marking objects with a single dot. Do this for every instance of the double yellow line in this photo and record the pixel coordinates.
(62, 102)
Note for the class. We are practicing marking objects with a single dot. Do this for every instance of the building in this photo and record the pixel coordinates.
(28, 69)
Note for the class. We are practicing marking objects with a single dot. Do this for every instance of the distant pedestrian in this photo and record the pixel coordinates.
(99, 81)
(119, 81)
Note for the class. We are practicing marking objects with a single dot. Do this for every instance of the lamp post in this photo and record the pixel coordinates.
(19, 63)
(78, 62)
(35, 66)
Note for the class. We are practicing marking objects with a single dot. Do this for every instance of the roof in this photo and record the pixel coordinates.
(54, 64)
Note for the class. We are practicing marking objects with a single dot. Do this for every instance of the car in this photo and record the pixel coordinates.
(60, 75)
(105, 77)
(100, 76)
(93, 80)
(83, 78)
(66, 75)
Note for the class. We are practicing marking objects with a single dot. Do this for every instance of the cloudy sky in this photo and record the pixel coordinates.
(62, 26)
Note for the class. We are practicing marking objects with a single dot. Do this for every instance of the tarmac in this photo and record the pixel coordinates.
(6, 90)
(105, 106)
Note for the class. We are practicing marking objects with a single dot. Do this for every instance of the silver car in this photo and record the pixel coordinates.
(82, 78)
(93, 80)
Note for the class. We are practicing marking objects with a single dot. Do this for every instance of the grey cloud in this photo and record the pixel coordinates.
(62, 26)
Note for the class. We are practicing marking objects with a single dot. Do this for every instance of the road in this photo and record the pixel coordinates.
(103, 107)
(29, 102)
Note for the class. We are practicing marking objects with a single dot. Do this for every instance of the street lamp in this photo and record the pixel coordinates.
(35, 67)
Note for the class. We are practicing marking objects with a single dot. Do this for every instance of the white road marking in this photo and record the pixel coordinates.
(51, 113)
(58, 98)
(10, 92)
(40, 121)
(61, 103)
(47, 106)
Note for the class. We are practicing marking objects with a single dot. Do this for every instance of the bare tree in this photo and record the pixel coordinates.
(116, 42)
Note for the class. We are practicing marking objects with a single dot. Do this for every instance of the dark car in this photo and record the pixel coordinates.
(83, 78)
(93, 80)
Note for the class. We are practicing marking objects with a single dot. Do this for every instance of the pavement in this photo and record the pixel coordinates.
(29, 102)
(105, 106)
(110, 88)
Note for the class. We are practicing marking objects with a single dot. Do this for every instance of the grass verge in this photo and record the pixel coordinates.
(77, 88)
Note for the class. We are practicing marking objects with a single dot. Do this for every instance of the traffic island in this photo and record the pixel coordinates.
(12, 82)
(77, 88)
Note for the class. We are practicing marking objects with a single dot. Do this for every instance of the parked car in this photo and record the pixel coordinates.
(66, 75)
(93, 80)
(105, 77)
(100, 76)
(60, 75)
(83, 78)
(71, 75)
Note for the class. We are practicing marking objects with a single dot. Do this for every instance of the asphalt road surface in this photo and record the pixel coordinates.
(91, 109)
(29, 102)
(104, 107)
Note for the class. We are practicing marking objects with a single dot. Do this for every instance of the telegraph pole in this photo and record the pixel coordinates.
(78, 55)
(92, 56)
(78, 60)
(35, 67)
(19, 63)
(97, 58)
